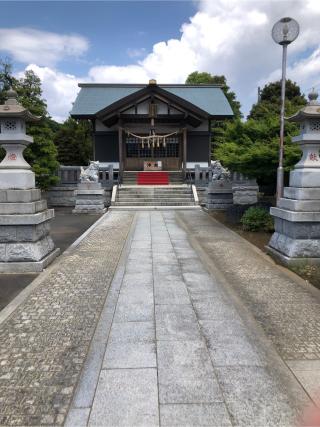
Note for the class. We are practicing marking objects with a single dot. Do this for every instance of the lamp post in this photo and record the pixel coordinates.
(284, 32)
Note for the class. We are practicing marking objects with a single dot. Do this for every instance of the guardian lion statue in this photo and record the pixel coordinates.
(91, 173)
(219, 173)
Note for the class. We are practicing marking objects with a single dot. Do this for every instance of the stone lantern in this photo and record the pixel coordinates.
(25, 242)
(296, 240)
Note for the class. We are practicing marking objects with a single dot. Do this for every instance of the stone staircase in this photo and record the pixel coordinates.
(130, 178)
(144, 196)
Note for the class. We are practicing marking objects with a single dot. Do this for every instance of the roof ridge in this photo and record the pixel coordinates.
(181, 85)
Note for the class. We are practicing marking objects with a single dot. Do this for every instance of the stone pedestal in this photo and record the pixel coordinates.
(296, 240)
(89, 198)
(25, 242)
(245, 192)
(219, 195)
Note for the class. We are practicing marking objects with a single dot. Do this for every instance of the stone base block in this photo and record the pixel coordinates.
(24, 233)
(297, 230)
(245, 195)
(291, 261)
(16, 179)
(22, 207)
(299, 205)
(29, 267)
(302, 193)
(306, 177)
(89, 185)
(295, 216)
(217, 206)
(295, 248)
(20, 196)
(219, 199)
(89, 209)
(90, 199)
(26, 251)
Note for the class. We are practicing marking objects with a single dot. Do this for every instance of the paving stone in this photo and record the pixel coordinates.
(185, 373)
(191, 265)
(255, 398)
(130, 355)
(127, 312)
(191, 415)
(138, 267)
(228, 344)
(135, 279)
(176, 322)
(171, 293)
(131, 332)
(140, 295)
(139, 254)
(126, 397)
(214, 308)
(141, 244)
(166, 269)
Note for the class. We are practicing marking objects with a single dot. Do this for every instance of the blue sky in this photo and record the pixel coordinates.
(132, 41)
(113, 28)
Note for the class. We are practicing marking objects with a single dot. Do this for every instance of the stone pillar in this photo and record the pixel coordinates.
(25, 242)
(296, 239)
(219, 192)
(245, 190)
(219, 195)
(90, 198)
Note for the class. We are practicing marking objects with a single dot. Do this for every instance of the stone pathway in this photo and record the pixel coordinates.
(160, 318)
(173, 348)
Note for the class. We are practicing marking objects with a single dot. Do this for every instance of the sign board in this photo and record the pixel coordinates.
(152, 165)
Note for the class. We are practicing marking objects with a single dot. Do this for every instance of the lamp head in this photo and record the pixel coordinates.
(285, 31)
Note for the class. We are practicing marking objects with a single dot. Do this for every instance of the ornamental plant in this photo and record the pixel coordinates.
(257, 219)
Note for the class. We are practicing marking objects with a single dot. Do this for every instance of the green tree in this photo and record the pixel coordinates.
(42, 154)
(252, 147)
(270, 100)
(74, 142)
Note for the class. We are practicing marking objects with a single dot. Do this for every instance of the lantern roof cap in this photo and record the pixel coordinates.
(12, 108)
(310, 111)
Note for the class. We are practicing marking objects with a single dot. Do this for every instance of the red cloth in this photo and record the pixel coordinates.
(153, 178)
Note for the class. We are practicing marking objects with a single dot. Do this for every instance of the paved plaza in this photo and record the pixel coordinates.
(161, 318)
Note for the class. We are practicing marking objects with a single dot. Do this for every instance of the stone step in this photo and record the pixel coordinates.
(173, 197)
(154, 203)
(130, 201)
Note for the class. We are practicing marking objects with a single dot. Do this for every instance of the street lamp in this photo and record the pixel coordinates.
(284, 32)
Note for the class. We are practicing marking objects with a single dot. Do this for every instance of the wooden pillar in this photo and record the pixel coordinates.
(120, 139)
(184, 152)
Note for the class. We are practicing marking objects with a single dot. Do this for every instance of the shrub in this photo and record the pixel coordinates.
(257, 219)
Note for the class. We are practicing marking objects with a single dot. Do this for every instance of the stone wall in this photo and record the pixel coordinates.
(64, 196)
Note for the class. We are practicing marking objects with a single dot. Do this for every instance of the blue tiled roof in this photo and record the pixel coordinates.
(94, 97)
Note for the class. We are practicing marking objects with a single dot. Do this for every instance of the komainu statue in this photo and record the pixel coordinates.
(91, 173)
(219, 173)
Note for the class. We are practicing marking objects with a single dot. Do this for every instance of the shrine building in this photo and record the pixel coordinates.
(140, 127)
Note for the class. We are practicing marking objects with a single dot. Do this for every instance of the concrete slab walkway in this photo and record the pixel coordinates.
(160, 318)
(175, 349)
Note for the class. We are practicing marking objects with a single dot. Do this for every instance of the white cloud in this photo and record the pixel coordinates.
(136, 53)
(59, 90)
(44, 48)
(230, 37)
